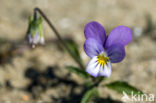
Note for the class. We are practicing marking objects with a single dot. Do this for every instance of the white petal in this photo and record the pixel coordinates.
(36, 38)
(105, 70)
(42, 40)
(93, 68)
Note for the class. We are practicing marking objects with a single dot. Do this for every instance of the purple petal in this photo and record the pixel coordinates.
(92, 47)
(96, 31)
(116, 53)
(120, 34)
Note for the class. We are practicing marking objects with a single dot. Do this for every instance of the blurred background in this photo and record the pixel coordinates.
(39, 75)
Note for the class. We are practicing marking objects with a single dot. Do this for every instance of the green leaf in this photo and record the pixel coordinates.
(78, 71)
(74, 48)
(88, 83)
(89, 94)
(120, 86)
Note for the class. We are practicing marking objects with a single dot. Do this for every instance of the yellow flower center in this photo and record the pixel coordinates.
(102, 59)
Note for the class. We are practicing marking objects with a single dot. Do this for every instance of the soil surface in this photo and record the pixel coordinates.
(39, 75)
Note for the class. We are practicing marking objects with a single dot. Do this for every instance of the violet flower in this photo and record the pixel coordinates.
(104, 50)
(34, 34)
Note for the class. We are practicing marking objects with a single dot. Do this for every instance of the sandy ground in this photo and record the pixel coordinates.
(69, 17)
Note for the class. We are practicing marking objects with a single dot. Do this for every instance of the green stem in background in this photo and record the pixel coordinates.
(58, 36)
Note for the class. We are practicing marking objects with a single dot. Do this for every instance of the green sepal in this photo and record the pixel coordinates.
(35, 26)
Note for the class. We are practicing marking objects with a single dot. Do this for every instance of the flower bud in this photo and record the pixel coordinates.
(34, 34)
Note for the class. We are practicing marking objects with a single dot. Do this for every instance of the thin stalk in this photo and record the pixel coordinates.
(96, 83)
(58, 36)
(35, 15)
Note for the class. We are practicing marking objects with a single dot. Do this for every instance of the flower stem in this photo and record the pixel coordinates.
(58, 36)
(35, 15)
(97, 82)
